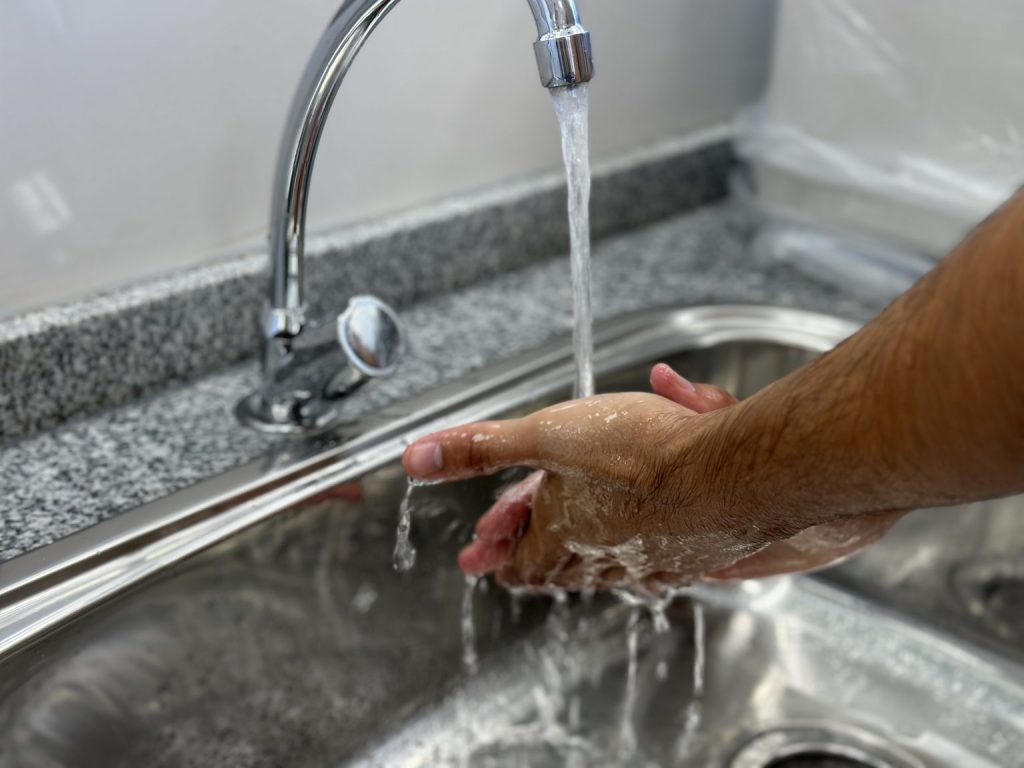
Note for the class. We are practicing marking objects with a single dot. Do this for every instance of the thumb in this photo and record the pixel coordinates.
(471, 450)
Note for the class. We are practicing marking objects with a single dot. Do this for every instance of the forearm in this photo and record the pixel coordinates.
(924, 406)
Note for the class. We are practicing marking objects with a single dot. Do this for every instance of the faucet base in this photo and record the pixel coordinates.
(302, 414)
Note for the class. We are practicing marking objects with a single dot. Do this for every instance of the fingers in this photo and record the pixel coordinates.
(483, 557)
(510, 513)
(540, 554)
(541, 568)
(469, 451)
(498, 530)
(697, 397)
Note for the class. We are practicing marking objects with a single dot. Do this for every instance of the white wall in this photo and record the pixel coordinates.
(899, 120)
(140, 136)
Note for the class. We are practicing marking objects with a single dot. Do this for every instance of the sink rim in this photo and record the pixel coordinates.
(45, 588)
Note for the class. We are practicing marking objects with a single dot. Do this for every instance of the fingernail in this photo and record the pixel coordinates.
(686, 383)
(424, 459)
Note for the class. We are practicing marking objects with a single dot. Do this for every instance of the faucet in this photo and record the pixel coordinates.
(302, 388)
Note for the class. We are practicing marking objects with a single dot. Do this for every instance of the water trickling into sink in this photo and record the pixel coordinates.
(693, 709)
(627, 730)
(571, 107)
(470, 662)
(405, 553)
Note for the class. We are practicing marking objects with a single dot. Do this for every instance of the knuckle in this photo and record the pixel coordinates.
(720, 396)
(481, 447)
(475, 453)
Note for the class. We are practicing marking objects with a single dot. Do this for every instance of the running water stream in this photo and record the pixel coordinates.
(572, 107)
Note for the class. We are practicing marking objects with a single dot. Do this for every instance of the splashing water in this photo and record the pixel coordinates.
(627, 730)
(693, 709)
(405, 553)
(470, 660)
(404, 557)
(571, 107)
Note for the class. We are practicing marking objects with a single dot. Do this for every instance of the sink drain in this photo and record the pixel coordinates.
(811, 745)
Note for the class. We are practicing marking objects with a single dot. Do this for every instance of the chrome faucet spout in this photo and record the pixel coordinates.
(563, 58)
(554, 15)
(563, 49)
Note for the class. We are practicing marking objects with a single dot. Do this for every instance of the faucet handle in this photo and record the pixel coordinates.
(295, 400)
(371, 336)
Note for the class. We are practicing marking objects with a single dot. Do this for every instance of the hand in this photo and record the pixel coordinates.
(617, 504)
(502, 526)
(812, 548)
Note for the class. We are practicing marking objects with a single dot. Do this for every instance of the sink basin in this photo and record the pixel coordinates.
(961, 568)
(257, 620)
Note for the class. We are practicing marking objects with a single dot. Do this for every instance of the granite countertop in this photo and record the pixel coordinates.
(56, 482)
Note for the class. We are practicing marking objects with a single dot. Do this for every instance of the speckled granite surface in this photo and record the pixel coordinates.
(61, 481)
(73, 360)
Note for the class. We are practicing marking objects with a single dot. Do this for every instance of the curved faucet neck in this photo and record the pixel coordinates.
(324, 72)
(563, 57)
(554, 16)
(287, 401)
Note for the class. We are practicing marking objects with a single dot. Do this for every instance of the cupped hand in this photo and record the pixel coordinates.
(624, 497)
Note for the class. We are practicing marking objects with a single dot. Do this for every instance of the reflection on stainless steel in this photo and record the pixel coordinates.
(992, 590)
(43, 588)
(959, 568)
(257, 653)
(775, 658)
(287, 402)
(294, 642)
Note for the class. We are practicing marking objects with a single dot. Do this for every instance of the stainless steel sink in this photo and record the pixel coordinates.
(960, 568)
(253, 621)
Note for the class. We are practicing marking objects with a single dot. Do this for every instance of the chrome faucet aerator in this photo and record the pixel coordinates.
(291, 399)
(563, 45)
